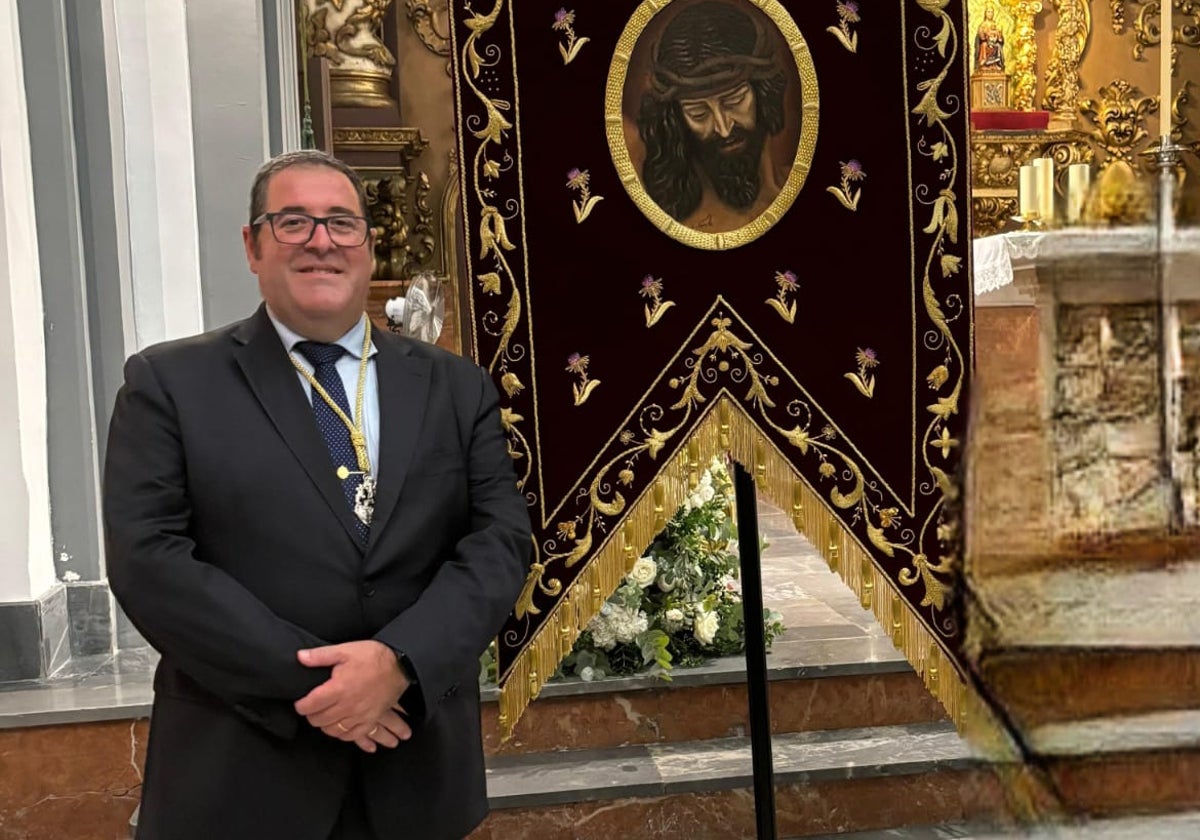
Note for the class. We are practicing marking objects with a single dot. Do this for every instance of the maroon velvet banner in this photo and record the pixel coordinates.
(722, 225)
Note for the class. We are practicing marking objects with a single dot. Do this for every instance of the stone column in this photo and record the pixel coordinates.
(33, 614)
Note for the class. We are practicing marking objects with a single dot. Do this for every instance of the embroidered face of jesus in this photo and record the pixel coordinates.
(716, 97)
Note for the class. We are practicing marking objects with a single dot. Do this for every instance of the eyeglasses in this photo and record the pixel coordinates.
(292, 228)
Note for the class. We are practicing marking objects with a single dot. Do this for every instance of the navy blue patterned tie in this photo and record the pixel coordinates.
(323, 358)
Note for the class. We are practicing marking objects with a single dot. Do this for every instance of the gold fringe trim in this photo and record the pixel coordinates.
(727, 429)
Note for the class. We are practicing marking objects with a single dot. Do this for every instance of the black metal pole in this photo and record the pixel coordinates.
(756, 653)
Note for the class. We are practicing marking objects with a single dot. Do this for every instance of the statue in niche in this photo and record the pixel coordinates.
(989, 43)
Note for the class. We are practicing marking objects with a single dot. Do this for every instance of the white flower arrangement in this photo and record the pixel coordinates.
(681, 603)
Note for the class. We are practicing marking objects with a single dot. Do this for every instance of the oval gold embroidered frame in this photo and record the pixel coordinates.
(614, 120)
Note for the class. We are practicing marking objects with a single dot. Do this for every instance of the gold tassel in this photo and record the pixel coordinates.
(726, 428)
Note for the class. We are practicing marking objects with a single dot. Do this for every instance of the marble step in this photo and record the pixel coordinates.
(815, 685)
(826, 781)
(1087, 640)
(1159, 827)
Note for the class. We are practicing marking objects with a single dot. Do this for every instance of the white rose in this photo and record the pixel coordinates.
(707, 493)
(706, 626)
(644, 571)
(587, 674)
(675, 614)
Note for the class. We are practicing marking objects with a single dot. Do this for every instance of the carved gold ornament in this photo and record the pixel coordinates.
(1147, 27)
(431, 22)
(1024, 70)
(1071, 35)
(1120, 119)
(1117, 8)
(991, 214)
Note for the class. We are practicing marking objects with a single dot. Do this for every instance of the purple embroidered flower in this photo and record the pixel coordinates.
(852, 171)
(563, 20)
(651, 286)
(866, 358)
(848, 11)
(787, 280)
(577, 363)
(577, 179)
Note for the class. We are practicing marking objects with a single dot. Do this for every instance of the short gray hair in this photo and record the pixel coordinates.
(303, 157)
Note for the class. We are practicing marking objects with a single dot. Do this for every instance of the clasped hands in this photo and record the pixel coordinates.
(358, 703)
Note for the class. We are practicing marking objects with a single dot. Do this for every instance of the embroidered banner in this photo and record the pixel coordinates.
(697, 226)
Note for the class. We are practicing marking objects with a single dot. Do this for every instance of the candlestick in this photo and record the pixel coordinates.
(1166, 37)
(1043, 169)
(1079, 177)
(1027, 193)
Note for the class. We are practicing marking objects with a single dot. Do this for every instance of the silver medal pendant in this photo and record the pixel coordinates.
(364, 500)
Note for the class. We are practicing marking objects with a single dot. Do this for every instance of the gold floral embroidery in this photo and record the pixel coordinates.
(851, 171)
(577, 181)
(578, 365)
(867, 360)
(564, 21)
(847, 12)
(788, 283)
(652, 288)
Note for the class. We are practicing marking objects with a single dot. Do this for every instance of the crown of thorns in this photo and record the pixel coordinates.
(717, 73)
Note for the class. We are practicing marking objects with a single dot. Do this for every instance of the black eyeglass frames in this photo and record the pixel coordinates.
(295, 228)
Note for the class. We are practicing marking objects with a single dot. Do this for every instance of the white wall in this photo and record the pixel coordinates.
(26, 564)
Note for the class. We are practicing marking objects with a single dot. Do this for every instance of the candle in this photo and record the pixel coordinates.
(1167, 34)
(1027, 194)
(1043, 169)
(1079, 177)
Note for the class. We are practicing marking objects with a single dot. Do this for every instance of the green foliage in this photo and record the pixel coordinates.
(680, 605)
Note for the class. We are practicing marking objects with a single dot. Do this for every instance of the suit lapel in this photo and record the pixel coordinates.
(403, 392)
(272, 378)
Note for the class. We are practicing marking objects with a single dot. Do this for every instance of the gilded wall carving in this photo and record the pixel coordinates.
(431, 22)
(1071, 35)
(1119, 120)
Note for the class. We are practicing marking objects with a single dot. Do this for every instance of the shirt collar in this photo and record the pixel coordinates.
(351, 341)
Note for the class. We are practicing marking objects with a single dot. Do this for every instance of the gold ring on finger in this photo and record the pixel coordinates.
(374, 729)
(339, 726)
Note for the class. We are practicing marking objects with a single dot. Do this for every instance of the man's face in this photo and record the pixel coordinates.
(728, 142)
(725, 120)
(318, 289)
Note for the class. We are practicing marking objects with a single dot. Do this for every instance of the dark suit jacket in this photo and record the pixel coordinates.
(230, 546)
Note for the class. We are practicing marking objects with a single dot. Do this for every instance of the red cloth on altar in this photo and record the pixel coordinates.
(1010, 120)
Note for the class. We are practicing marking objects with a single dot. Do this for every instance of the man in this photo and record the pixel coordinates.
(716, 97)
(320, 581)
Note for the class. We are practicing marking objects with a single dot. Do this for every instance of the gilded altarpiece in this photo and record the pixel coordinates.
(698, 227)
(1092, 67)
